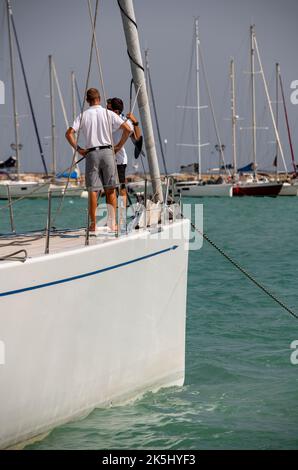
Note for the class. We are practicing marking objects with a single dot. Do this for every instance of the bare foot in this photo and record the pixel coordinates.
(113, 228)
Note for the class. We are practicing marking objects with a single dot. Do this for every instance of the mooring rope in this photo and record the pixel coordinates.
(244, 271)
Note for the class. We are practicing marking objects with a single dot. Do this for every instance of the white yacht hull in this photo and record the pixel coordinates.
(35, 189)
(90, 327)
(289, 190)
(205, 190)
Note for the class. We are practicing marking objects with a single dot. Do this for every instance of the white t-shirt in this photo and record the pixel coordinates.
(95, 126)
(121, 156)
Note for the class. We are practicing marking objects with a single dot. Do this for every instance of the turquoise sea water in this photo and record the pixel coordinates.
(241, 389)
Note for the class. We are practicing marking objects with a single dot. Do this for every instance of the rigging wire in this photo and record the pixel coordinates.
(245, 145)
(78, 95)
(288, 124)
(74, 160)
(213, 112)
(29, 96)
(188, 87)
(131, 108)
(102, 79)
(223, 109)
(157, 122)
(269, 104)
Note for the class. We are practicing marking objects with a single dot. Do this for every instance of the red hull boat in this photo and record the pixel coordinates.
(257, 189)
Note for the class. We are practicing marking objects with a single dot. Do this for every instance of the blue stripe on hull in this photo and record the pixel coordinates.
(81, 276)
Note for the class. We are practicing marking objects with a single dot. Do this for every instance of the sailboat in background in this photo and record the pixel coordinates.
(199, 187)
(288, 188)
(255, 185)
(26, 186)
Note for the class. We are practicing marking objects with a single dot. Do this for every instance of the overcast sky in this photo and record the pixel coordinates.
(61, 28)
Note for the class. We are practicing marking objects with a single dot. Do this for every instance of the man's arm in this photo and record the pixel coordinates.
(70, 136)
(136, 129)
(125, 134)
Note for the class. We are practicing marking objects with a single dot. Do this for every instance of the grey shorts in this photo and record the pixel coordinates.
(101, 170)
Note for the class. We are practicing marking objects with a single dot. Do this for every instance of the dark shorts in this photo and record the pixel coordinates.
(101, 170)
(121, 175)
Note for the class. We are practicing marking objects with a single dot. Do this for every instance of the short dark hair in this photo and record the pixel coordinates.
(92, 94)
(117, 104)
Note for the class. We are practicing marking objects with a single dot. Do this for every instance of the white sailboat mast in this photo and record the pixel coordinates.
(198, 95)
(234, 116)
(136, 63)
(73, 96)
(277, 69)
(13, 85)
(147, 71)
(74, 110)
(53, 117)
(253, 97)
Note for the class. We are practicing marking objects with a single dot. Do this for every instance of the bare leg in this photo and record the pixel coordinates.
(112, 206)
(122, 206)
(92, 209)
(123, 195)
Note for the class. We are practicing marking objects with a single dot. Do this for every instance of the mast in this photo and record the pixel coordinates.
(28, 95)
(14, 99)
(73, 96)
(287, 123)
(277, 68)
(147, 71)
(198, 95)
(269, 103)
(74, 110)
(234, 117)
(137, 69)
(53, 117)
(253, 95)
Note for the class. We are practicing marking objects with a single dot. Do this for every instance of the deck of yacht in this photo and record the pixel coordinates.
(19, 247)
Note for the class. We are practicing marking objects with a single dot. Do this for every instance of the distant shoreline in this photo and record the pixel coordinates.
(141, 176)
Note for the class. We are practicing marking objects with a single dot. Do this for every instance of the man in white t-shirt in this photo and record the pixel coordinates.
(96, 124)
(116, 105)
